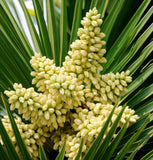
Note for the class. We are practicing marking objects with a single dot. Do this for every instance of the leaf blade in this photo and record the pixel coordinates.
(76, 20)
(110, 20)
(137, 82)
(101, 7)
(3, 153)
(115, 142)
(126, 58)
(63, 32)
(42, 153)
(15, 25)
(34, 35)
(42, 29)
(124, 150)
(60, 156)
(147, 156)
(112, 53)
(93, 4)
(141, 96)
(144, 54)
(79, 151)
(52, 30)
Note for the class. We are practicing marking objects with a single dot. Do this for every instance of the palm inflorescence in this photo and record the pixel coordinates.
(79, 103)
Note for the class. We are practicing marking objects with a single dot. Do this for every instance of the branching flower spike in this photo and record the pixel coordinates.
(72, 101)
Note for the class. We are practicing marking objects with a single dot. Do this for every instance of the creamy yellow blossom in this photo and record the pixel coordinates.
(29, 133)
(67, 135)
(41, 109)
(73, 101)
(86, 56)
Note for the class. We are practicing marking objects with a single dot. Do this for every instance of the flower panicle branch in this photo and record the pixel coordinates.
(72, 101)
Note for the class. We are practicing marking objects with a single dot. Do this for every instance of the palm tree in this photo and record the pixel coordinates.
(129, 45)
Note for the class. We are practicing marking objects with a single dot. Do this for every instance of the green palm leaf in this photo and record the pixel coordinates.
(52, 30)
(42, 153)
(76, 20)
(63, 32)
(42, 29)
(60, 156)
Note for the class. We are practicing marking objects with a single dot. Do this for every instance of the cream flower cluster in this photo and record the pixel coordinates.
(26, 101)
(114, 85)
(86, 56)
(67, 135)
(44, 68)
(110, 87)
(31, 135)
(87, 124)
(75, 100)
(44, 110)
(65, 87)
(86, 60)
(55, 81)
